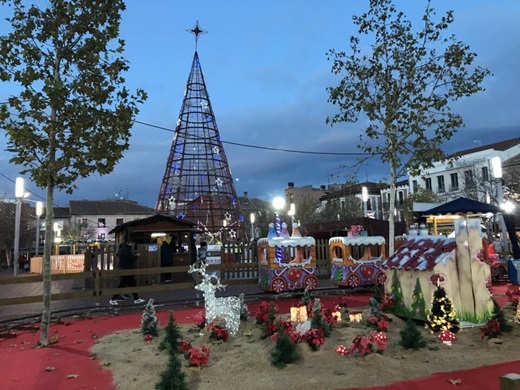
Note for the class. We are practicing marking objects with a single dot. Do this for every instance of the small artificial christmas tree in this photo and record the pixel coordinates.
(411, 337)
(285, 351)
(269, 327)
(306, 299)
(149, 321)
(374, 308)
(418, 303)
(442, 316)
(317, 321)
(172, 336)
(499, 315)
(173, 378)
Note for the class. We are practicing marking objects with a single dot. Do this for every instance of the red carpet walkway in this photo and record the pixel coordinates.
(68, 365)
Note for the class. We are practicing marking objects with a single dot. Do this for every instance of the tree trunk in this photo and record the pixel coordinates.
(391, 216)
(46, 272)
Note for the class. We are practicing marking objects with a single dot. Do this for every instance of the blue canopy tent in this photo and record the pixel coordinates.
(468, 206)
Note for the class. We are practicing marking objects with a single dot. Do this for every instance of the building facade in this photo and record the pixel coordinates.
(91, 220)
(468, 173)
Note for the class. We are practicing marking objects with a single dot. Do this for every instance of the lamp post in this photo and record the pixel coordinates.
(278, 204)
(496, 165)
(19, 193)
(291, 213)
(364, 195)
(252, 219)
(39, 212)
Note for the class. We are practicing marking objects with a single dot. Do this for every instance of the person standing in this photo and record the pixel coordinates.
(166, 260)
(127, 260)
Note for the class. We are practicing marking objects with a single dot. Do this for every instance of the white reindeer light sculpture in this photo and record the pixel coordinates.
(226, 308)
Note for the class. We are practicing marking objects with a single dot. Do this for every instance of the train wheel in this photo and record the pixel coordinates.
(278, 285)
(311, 282)
(353, 280)
(381, 278)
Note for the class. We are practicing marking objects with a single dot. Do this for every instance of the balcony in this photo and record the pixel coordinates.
(454, 188)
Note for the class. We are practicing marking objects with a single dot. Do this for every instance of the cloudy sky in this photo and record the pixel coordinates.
(266, 72)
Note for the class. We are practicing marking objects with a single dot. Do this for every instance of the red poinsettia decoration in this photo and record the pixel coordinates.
(184, 346)
(218, 332)
(263, 310)
(148, 337)
(315, 338)
(340, 303)
(388, 302)
(199, 356)
(373, 342)
(492, 329)
(199, 319)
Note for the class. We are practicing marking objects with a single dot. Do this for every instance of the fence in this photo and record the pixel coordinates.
(60, 264)
(96, 274)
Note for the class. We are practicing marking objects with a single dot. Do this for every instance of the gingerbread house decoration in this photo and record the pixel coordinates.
(422, 262)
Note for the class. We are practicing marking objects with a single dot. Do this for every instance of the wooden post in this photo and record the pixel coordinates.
(510, 382)
(87, 266)
(97, 287)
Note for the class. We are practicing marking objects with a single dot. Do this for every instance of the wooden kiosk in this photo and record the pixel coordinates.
(148, 234)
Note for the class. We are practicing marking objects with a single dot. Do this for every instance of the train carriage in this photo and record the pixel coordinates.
(356, 261)
(287, 264)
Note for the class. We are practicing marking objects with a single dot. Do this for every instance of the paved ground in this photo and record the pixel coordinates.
(165, 299)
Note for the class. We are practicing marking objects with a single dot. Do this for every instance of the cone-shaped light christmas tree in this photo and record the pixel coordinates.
(197, 183)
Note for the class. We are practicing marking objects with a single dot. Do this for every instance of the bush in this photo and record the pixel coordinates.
(411, 337)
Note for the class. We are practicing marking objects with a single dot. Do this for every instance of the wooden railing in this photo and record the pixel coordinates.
(96, 272)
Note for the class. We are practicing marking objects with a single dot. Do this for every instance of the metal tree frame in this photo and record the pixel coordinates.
(197, 183)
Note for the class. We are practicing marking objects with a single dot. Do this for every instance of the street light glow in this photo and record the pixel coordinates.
(364, 193)
(39, 209)
(496, 165)
(19, 189)
(278, 203)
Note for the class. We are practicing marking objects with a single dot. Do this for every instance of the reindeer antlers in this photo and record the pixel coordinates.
(201, 269)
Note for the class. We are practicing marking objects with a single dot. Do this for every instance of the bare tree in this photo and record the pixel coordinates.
(404, 88)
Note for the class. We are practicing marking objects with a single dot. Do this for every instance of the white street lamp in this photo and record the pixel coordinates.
(364, 195)
(252, 219)
(39, 212)
(19, 193)
(496, 165)
(291, 213)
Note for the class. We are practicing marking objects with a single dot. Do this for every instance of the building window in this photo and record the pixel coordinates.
(440, 184)
(485, 174)
(400, 197)
(454, 179)
(101, 236)
(119, 221)
(415, 185)
(101, 222)
(84, 222)
(468, 178)
(428, 183)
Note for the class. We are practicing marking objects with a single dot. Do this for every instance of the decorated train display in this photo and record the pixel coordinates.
(356, 260)
(286, 263)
